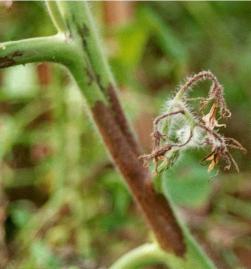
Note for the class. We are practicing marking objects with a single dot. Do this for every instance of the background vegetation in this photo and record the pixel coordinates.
(62, 204)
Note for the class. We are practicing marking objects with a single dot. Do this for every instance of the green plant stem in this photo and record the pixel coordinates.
(113, 128)
(148, 254)
(77, 53)
(52, 48)
(152, 254)
(79, 15)
(56, 16)
(144, 255)
(56, 49)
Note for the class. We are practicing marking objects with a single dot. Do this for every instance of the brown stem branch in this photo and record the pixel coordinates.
(155, 207)
(120, 118)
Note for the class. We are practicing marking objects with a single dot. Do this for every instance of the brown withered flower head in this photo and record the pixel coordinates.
(180, 128)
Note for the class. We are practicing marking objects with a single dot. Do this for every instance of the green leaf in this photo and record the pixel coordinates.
(20, 82)
(188, 183)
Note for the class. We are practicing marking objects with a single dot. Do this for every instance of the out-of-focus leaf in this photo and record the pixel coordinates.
(131, 42)
(43, 256)
(188, 183)
(211, 23)
(119, 201)
(21, 212)
(20, 82)
(167, 40)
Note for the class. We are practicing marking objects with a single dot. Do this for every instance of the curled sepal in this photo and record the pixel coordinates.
(180, 127)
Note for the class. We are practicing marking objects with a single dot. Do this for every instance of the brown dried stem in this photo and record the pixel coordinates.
(154, 205)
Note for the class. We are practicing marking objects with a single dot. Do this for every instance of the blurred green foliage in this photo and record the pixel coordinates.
(64, 204)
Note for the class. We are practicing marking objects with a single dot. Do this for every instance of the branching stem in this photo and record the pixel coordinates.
(51, 48)
(56, 16)
(81, 52)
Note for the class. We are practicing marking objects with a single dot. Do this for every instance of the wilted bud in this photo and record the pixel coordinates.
(178, 129)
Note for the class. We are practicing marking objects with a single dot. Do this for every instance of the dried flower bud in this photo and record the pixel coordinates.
(178, 128)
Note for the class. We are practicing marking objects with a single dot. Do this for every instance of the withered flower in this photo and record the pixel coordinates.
(178, 128)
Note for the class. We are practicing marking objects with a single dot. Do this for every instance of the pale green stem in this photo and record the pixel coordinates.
(52, 48)
(148, 254)
(87, 29)
(56, 16)
(82, 27)
(56, 49)
(144, 255)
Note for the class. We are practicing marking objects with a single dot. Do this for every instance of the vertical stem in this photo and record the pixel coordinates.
(107, 116)
(82, 55)
(155, 207)
(79, 14)
(56, 16)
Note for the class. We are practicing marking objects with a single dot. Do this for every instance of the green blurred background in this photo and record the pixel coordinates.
(62, 203)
